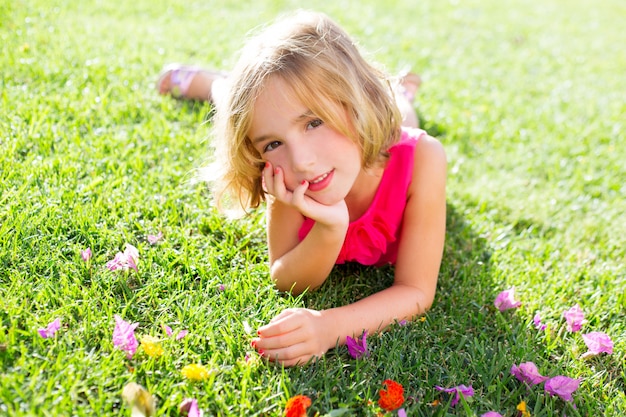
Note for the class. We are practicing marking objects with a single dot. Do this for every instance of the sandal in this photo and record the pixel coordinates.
(176, 79)
(409, 84)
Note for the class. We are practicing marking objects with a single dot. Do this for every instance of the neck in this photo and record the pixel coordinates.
(360, 197)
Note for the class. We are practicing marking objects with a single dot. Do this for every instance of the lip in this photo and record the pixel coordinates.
(321, 181)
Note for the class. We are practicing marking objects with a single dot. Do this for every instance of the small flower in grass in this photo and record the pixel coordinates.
(574, 318)
(491, 414)
(458, 391)
(521, 407)
(86, 254)
(392, 396)
(296, 406)
(506, 300)
(169, 332)
(50, 329)
(562, 386)
(402, 412)
(139, 400)
(124, 260)
(189, 408)
(537, 322)
(527, 372)
(597, 343)
(124, 336)
(196, 372)
(152, 346)
(152, 239)
(357, 348)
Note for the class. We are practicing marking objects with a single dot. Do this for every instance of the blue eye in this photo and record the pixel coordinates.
(314, 123)
(271, 146)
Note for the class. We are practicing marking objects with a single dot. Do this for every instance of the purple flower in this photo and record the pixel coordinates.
(357, 348)
(537, 322)
(86, 254)
(181, 334)
(170, 333)
(527, 372)
(506, 300)
(401, 412)
(491, 414)
(189, 407)
(152, 239)
(124, 336)
(167, 329)
(51, 329)
(597, 342)
(459, 389)
(574, 318)
(562, 386)
(221, 287)
(124, 260)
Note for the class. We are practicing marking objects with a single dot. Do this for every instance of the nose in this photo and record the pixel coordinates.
(302, 156)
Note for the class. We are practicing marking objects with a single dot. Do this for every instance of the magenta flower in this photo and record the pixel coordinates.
(537, 322)
(124, 260)
(597, 343)
(574, 318)
(189, 407)
(458, 390)
(527, 372)
(401, 412)
(562, 386)
(51, 329)
(506, 300)
(124, 336)
(86, 254)
(152, 239)
(357, 348)
(491, 414)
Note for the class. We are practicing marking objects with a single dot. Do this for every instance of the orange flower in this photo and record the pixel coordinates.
(297, 405)
(392, 397)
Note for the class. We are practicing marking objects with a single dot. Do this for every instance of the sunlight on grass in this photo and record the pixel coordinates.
(527, 98)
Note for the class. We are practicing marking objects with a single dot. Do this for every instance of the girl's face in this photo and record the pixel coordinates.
(288, 135)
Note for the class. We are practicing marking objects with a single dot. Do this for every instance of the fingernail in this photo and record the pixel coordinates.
(258, 332)
(253, 343)
(303, 182)
(261, 351)
(267, 164)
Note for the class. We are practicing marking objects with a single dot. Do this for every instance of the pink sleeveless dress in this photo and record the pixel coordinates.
(372, 239)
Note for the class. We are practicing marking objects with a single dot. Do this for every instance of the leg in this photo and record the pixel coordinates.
(405, 94)
(191, 83)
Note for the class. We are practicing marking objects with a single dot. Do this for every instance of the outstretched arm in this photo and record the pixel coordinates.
(298, 335)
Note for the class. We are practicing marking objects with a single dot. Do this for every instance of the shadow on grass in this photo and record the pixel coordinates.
(463, 339)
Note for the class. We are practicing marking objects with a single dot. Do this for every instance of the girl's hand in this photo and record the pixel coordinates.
(294, 337)
(274, 184)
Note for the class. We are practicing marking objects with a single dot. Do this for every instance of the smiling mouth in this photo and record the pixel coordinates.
(320, 178)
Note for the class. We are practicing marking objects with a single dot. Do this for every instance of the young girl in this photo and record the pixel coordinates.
(307, 125)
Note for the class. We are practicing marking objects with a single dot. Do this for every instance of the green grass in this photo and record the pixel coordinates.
(526, 96)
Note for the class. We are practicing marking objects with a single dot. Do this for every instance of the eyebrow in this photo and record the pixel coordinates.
(306, 115)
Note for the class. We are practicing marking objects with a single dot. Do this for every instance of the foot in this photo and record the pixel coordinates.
(409, 84)
(185, 82)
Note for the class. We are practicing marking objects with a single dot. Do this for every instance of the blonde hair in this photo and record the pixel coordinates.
(326, 73)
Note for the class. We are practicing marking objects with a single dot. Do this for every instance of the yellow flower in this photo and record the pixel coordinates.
(196, 372)
(139, 399)
(151, 346)
(522, 408)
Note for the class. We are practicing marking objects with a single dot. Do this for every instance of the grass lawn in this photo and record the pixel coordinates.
(528, 98)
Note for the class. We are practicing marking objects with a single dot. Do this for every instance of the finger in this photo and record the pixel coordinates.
(268, 175)
(283, 323)
(281, 341)
(298, 195)
(278, 184)
(289, 356)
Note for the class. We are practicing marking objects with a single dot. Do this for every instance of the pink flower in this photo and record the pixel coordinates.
(537, 322)
(124, 260)
(152, 239)
(491, 414)
(51, 329)
(189, 407)
(527, 372)
(170, 333)
(562, 386)
(597, 342)
(401, 412)
(459, 389)
(124, 336)
(86, 254)
(506, 300)
(574, 318)
(357, 348)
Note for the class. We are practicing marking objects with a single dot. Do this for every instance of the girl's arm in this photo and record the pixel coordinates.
(297, 335)
(294, 265)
